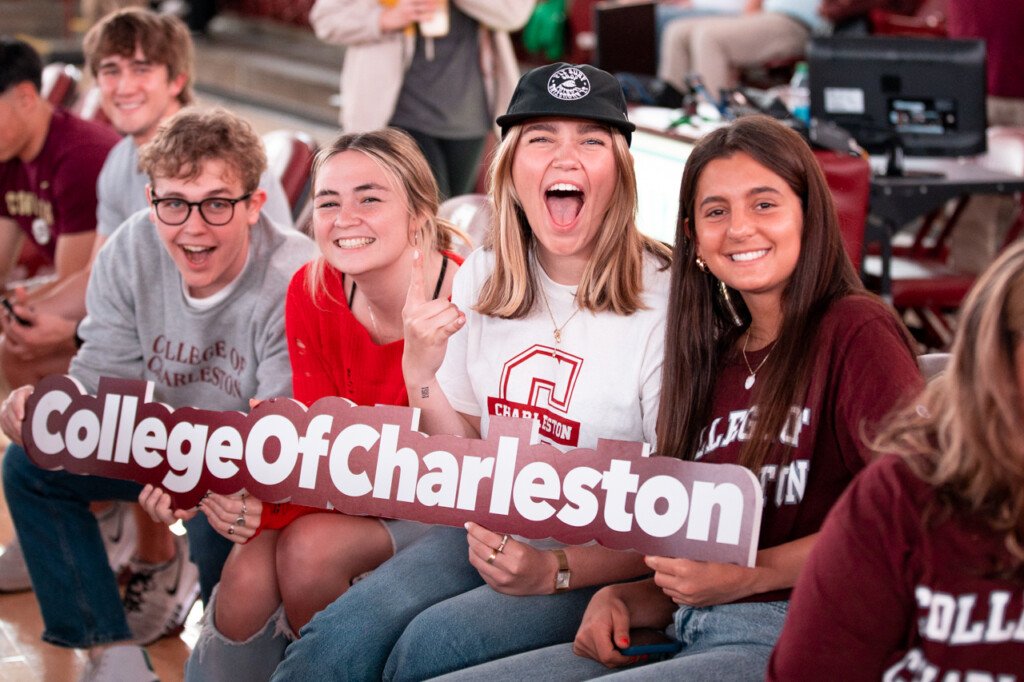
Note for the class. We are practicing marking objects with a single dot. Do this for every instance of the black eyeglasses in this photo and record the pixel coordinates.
(215, 211)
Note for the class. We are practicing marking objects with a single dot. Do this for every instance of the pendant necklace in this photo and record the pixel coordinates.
(752, 377)
(547, 306)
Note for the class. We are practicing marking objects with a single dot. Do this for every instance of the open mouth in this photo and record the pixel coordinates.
(564, 202)
(747, 256)
(197, 255)
(354, 242)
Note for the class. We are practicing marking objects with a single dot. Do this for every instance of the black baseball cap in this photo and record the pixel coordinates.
(571, 91)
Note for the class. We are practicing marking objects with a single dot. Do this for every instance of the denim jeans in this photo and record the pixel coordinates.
(352, 638)
(728, 642)
(76, 590)
(215, 657)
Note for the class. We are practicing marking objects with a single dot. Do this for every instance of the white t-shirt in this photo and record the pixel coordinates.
(602, 381)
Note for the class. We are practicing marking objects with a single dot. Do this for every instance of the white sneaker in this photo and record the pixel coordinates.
(13, 571)
(119, 533)
(158, 598)
(119, 663)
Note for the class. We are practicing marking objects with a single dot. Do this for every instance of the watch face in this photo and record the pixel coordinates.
(562, 580)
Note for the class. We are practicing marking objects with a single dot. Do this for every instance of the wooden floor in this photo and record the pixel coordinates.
(24, 657)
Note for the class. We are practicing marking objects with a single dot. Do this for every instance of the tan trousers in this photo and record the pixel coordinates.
(982, 228)
(715, 47)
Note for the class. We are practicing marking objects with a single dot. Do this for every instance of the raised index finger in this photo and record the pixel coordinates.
(416, 295)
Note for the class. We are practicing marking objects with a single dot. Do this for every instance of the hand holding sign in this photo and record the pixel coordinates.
(517, 569)
(427, 326)
(236, 516)
(158, 505)
(12, 413)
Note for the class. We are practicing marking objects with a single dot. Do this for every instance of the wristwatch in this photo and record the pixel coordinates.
(563, 574)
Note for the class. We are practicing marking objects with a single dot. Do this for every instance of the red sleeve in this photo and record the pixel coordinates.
(310, 378)
(853, 604)
(74, 181)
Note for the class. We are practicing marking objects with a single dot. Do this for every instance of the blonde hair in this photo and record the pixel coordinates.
(964, 436)
(400, 158)
(613, 278)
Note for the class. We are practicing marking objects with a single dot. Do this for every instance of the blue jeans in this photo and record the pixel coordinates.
(423, 613)
(76, 590)
(352, 638)
(729, 642)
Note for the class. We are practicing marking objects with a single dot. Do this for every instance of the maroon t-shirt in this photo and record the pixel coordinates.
(885, 595)
(55, 193)
(1001, 24)
(862, 370)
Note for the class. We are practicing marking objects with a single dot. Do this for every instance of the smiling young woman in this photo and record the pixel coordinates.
(539, 322)
(762, 288)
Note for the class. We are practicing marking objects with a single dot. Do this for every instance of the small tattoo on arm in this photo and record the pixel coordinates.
(424, 391)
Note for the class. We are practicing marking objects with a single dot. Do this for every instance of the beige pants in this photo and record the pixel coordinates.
(715, 47)
(982, 228)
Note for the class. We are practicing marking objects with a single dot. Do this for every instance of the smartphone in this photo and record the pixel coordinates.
(6, 302)
(652, 643)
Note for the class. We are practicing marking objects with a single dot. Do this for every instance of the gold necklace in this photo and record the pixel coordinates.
(547, 306)
(752, 377)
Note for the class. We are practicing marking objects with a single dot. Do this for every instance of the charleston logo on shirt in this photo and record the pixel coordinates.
(23, 204)
(538, 384)
(782, 485)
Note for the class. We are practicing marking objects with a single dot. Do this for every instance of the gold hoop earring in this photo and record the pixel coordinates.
(729, 307)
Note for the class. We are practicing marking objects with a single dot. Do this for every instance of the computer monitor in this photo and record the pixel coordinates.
(914, 96)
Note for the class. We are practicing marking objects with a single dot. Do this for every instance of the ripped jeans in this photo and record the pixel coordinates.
(215, 657)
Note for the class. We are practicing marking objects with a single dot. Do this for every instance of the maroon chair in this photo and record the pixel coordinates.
(849, 178)
(290, 157)
(929, 21)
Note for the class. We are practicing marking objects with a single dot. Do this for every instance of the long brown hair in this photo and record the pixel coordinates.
(963, 436)
(700, 330)
(613, 278)
(401, 159)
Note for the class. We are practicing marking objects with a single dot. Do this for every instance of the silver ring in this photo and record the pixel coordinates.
(501, 546)
(243, 504)
(240, 522)
(231, 529)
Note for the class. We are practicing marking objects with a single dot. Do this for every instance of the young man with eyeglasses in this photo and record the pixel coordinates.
(190, 296)
(143, 64)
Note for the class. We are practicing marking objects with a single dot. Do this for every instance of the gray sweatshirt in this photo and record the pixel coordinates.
(139, 325)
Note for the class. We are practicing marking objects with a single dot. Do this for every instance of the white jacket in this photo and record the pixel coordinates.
(375, 62)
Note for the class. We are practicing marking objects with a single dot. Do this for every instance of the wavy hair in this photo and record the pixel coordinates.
(613, 278)
(700, 327)
(963, 436)
(398, 155)
(186, 140)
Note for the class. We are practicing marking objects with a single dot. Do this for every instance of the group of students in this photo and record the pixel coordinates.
(751, 342)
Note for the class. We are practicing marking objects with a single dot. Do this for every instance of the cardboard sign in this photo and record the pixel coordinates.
(372, 461)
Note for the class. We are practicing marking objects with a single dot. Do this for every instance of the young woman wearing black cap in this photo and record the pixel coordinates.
(560, 316)
(776, 359)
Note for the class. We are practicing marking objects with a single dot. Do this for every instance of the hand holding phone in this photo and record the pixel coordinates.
(6, 302)
(654, 644)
